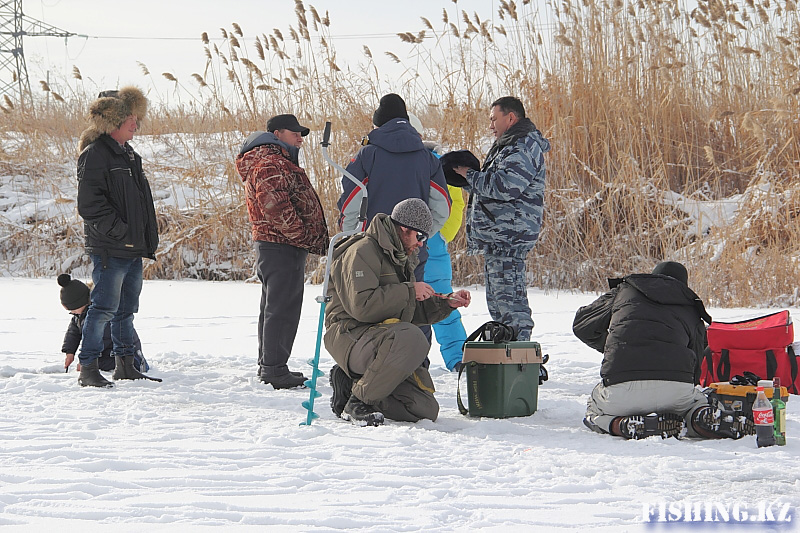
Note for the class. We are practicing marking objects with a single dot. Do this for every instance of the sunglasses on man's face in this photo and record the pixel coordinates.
(421, 237)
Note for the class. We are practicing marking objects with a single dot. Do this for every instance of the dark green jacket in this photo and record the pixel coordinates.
(372, 282)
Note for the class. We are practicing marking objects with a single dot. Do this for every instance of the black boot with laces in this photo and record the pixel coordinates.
(642, 426)
(713, 422)
(360, 413)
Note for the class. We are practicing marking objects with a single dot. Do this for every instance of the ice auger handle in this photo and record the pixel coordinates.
(326, 135)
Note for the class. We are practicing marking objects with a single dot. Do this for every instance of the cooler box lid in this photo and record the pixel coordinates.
(507, 353)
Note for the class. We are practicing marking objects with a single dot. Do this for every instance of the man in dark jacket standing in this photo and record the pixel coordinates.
(395, 165)
(288, 223)
(504, 211)
(116, 205)
(376, 305)
(650, 330)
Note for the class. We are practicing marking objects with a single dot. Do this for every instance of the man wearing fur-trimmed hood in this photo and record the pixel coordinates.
(116, 204)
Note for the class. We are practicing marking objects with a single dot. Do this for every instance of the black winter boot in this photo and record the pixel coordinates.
(126, 370)
(663, 425)
(289, 380)
(299, 374)
(360, 413)
(342, 386)
(713, 422)
(91, 376)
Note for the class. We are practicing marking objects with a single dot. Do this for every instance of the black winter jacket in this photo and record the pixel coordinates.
(74, 334)
(649, 327)
(115, 201)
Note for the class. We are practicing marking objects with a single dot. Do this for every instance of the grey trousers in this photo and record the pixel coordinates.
(507, 293)
(642, 398)
(389, 360)
(281, 269)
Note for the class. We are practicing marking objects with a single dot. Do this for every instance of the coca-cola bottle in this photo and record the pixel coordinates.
(778, 413)
(763, 419)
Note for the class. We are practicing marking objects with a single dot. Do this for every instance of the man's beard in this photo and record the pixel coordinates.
(413, 252)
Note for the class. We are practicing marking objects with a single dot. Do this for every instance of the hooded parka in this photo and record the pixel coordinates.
(394, 166)
(371, 290)
(649, 327)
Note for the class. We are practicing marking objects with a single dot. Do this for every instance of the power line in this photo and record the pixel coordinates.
(384, 35)
(349, 36)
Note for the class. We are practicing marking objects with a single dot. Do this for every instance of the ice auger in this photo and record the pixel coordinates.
(323, 299)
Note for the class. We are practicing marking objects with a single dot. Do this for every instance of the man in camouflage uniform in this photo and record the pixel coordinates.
(505, 207)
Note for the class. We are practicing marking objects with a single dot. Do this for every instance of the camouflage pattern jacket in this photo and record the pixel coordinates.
(372, 282)
(506, 201)
(282, 205)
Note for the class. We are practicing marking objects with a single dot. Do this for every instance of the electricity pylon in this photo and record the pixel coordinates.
(14, 25)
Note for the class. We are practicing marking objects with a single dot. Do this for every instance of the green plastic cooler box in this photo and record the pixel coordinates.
(502, 379)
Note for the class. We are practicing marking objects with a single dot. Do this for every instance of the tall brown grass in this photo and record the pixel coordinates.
(638, 98)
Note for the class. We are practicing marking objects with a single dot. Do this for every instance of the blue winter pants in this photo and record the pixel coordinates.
(450, 333)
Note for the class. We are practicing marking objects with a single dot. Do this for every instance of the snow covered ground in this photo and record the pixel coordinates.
(211, 446)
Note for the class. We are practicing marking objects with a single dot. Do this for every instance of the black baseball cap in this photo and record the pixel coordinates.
(287, 122)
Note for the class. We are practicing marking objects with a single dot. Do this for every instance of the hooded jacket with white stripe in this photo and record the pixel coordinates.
(394, 166)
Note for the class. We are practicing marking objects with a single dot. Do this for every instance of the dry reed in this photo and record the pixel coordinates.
(640, 99)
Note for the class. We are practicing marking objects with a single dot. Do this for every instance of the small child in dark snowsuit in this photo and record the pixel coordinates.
(75, 299)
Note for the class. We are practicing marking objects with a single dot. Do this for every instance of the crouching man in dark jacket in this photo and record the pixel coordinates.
(651, 332)
(375, 307)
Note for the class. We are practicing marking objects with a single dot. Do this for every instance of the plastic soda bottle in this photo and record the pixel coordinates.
(764, 419)
(778, 413)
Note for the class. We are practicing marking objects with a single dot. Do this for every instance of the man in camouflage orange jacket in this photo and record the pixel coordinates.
(288, 223)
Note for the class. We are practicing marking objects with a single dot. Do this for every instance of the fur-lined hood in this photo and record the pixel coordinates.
(110, 110)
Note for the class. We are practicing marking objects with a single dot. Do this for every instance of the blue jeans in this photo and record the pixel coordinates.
(115, 298)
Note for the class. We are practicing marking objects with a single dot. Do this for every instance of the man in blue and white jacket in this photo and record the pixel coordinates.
(504, 212)
(395, 166)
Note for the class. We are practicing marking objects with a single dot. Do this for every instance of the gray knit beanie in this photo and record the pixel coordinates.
(413, 213)
(672, 269)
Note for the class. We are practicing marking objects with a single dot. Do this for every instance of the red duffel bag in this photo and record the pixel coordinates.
(760, 345)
